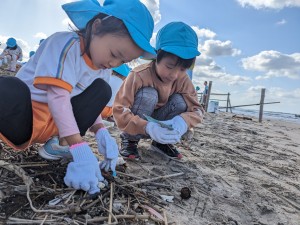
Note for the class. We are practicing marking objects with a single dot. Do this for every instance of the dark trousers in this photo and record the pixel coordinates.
(145, 101)
(16, 109)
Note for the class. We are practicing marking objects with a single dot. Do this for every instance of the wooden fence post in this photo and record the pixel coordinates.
(227, 102)
(261, 108)
(208, 95)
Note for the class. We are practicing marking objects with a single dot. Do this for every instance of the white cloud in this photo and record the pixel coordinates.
(281, 22)
(255, 88)
(204, 33)
(274, 64)
(207, 68)
(219, 48)
(40, 35)
(273, 93)
(272, 4)
(153, 7)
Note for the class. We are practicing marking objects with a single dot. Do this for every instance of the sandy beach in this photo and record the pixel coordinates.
(239, 172)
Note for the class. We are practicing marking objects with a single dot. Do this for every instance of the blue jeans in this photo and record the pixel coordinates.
(145, 101)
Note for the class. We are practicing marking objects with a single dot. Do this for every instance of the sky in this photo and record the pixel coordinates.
(245, 45)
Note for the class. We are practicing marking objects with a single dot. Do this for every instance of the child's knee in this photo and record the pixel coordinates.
(179, 101)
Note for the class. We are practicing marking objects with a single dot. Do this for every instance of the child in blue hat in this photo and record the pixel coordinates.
(160, 89)
(117, 78)
(62, 90)
(11, 54)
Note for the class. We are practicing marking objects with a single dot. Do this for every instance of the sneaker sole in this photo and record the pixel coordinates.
(45, 155)
(160, 151)
(131, 157)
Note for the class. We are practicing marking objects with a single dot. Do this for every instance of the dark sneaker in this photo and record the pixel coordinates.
(129, 149)
(168, 149)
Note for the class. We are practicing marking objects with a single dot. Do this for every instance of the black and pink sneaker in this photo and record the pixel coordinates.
(168, 149)
(129, 149)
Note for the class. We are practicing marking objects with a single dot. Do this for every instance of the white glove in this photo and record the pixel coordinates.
(178, 124)
(108, 147)
(84, 173)
(162, 135)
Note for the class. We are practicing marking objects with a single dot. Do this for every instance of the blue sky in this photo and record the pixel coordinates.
(246, 45)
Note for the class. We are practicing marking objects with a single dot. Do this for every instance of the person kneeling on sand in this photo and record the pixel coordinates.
(160, 89)
(117, 78)
(63, 88)
(11, 54)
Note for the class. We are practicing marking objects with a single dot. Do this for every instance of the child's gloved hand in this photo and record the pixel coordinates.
(84, 173)
(162, 135)
(107, 146)
(178, 124)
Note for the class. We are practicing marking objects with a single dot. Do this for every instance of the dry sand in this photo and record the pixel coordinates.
(239, 171)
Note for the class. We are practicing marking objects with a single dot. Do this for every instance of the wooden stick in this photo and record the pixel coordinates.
(196, 206)
(28, 182)
(165, 217)
(143, 217)
(156, 178)
(111, 201)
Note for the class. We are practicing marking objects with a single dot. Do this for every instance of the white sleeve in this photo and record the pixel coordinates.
(57, 62)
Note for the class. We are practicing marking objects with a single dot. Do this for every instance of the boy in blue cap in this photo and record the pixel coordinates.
(63, 88)
(160, 89)
(11, 54)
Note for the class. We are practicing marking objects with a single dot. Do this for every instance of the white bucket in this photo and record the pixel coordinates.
(213, 107)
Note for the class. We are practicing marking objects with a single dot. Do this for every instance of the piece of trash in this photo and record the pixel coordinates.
(167, 198)
(150, 119)
(120, 161)
(102, 184)
(118, 206)
(185, 193)
(59, 198)
(153, 212)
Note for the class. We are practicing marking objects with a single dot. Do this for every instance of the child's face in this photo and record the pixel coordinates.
(110, 51)
(167, 69)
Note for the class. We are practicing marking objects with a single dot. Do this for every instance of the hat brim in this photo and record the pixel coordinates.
(81, 17)
(182, 51)
(141, 41)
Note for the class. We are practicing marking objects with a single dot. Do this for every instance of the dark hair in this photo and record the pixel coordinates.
(108, 25)
(12, 48)
(185, 63)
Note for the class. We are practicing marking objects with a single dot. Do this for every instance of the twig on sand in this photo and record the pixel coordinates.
(204, 207)
(155, 178)
(111, 201)
(165, 217)
(28, 182)
(196, 206)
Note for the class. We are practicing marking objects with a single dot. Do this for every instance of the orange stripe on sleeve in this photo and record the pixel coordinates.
(52, 81)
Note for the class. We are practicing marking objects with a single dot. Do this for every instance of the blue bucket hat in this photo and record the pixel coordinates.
(133, 13)
(179, 39)
(31, 53)
(122, 70)
(41, 41)
(11, 42)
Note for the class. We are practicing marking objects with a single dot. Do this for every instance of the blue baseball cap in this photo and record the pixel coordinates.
(31, 53)
(11, 42)
(122, 70)
(133, 13)
(179, 39)
(41, 41)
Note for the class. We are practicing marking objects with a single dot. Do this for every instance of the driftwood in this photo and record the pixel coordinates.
(242, 117)
(72, 204)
